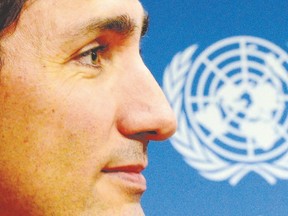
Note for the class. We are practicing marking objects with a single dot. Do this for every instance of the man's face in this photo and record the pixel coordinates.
(78, 108)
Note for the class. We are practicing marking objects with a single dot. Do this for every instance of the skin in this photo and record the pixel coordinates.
(66, 118)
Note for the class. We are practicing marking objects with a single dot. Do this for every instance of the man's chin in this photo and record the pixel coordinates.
(131, 209)
(112, 190)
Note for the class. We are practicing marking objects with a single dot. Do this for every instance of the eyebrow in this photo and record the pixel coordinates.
(122, 24)
(145, 25)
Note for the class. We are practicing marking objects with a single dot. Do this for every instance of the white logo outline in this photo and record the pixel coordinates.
(209, 164)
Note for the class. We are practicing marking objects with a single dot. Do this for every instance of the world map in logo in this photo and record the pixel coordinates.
(231, 102)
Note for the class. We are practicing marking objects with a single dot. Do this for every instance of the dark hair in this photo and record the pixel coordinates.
(9, 12)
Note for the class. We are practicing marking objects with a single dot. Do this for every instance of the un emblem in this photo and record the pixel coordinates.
(231, 103)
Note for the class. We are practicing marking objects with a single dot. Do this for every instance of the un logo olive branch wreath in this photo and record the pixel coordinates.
(208, 163)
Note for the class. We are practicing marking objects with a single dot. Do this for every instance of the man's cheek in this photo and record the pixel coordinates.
(87, 107)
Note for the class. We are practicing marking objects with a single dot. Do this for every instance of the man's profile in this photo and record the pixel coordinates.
(77, 108)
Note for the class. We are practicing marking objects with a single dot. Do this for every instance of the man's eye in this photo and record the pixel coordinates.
(91, 57)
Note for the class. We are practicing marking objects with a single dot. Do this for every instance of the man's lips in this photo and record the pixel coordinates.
(128, 176)
(127, 168)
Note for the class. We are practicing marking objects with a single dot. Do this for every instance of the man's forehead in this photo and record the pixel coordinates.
(104, 8)
(28, 3)
(63, 25)
(64, 14)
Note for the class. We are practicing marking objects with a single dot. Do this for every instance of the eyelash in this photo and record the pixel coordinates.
(93, 55)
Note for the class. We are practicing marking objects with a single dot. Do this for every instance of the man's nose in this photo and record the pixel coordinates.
(144, 111)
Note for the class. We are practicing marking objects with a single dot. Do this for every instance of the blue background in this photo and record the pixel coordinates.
(174, 188)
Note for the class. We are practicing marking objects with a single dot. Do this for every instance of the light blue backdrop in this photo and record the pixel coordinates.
(174, 188)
